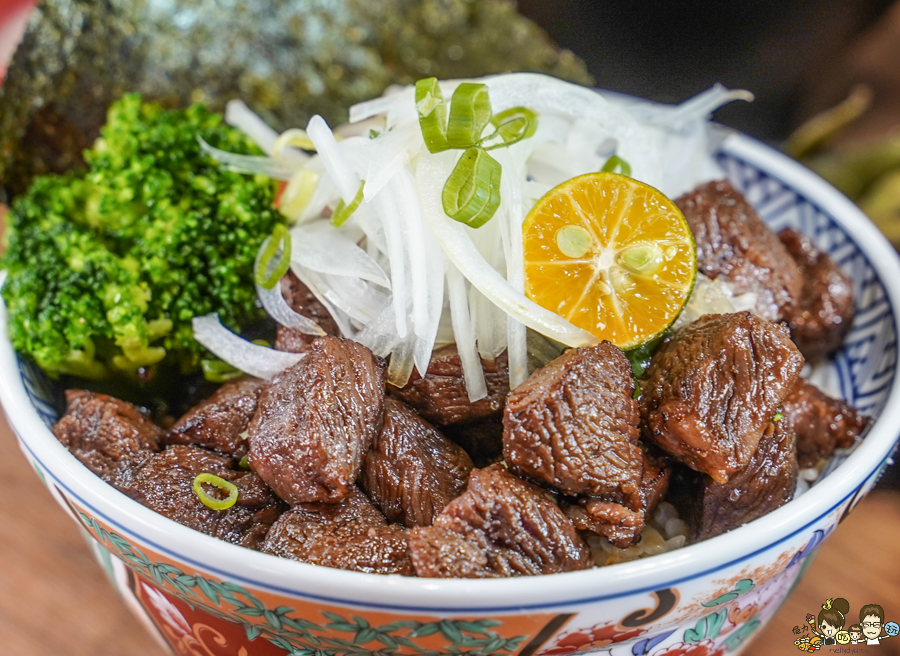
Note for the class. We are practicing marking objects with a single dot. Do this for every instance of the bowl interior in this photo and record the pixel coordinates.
(863, 373)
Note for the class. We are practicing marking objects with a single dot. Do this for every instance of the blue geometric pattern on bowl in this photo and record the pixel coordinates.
(862, 371)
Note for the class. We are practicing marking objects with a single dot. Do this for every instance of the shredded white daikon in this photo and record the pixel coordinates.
(383, 274)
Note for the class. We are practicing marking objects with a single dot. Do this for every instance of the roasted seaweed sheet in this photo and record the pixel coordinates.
(289, 59)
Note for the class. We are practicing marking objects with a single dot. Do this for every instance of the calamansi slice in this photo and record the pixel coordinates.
(610, 254)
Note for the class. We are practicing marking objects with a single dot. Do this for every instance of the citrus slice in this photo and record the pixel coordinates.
(610, 254)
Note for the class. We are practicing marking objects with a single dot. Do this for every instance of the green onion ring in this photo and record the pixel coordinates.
(343, 212)
(244, 464)
(280, 238)
(432, 113)
(512, 126)
(219, 371)
(221, 484)
(616, 162)
(471, 194)
(470, 113)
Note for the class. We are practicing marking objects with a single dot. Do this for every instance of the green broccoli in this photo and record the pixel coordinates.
(107, 269)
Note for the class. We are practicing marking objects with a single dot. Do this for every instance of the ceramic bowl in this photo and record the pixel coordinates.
(199, 595)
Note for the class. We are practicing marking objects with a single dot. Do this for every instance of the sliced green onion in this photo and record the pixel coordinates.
(220, 483)
(297, 193)
(432, 114)
(219, 371)
(470, 113)
(244, 464)
(343, 212)
(778, 417)
(294, 137)
(280, 238)
(616, 162)
(471, 194)
(512, 125)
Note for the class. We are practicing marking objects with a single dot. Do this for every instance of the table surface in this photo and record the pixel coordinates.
(55, 599)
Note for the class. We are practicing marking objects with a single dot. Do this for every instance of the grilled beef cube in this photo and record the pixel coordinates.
(820, 422)
(733, 244)
(111, 437)
(291, 341)
(767, 482)
(165, 484)
(821, 317)
(316, 421)
(608, 519)
(351, 534)
(219, 423)
(441, 396)
(573, 426)
(613, 521)
(500, 526)
(412, 471)
(713, 387)
(304, 302)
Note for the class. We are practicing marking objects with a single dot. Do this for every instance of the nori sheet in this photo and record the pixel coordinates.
(288, 59)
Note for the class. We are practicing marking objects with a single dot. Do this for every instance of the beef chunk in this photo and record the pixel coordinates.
(441, 397)
(412, 471)
(712, 388)
(766, 483)
(111, 437)
(573, 425)
(219, 421)
(501, 526)
(350, 534)
(165, 484)
(735, 245)
(292, 341)
(316, 420)
(820, 422)
(613, 521)
(303, 302)
(821, 317)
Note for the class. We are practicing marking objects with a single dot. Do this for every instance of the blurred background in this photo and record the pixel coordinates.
(826, 76)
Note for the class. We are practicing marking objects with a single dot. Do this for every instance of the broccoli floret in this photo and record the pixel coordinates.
(106, 270)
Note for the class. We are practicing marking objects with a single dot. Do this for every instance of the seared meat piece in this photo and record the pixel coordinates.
(304, 302)
(735, 245)
(573, 425)
(219, 421)
(822, 315)
(316, 421)
(412, 471)
(713, 387)
(766, 483)
(613, 521)
(111, 437)
(441, 397)
(501, 526)
(292, 341)
(165, 484)
(350, 534)
(820, 422)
